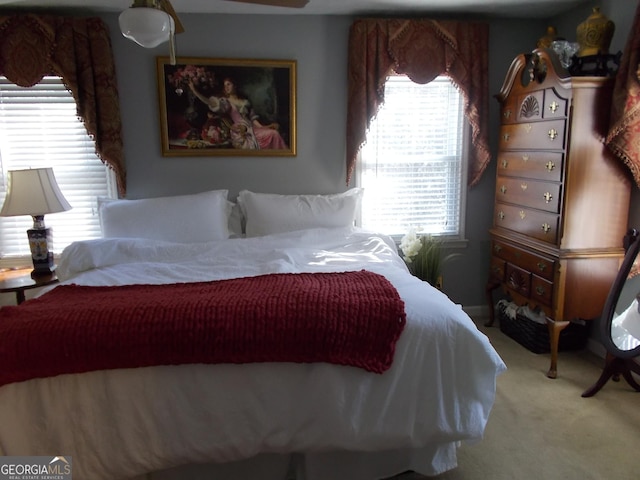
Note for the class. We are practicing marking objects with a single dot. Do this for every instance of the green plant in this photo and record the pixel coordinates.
(423, 256)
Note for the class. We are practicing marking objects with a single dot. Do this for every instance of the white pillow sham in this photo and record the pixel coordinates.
(200, 217)
(268, 213)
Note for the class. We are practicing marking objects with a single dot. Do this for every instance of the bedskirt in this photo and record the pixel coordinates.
(343, 465)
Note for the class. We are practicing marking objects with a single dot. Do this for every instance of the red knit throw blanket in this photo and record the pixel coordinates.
(352, 318)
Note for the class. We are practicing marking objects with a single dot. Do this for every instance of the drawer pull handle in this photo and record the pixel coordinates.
(505, 137)
(522, 214)
(540, 291)
(525, 158)
(553, 106)
(501, 215)
(503, 189)
(507, 114)
(497, 248)
(553, 133)
(523, 186)
(504, 164)
(542, 266)
(550, 166)
(548, 197)
(546, 227)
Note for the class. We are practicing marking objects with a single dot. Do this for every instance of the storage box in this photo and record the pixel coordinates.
(535, 336)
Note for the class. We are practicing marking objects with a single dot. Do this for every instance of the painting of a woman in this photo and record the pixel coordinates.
(227, 107)
(246, 131)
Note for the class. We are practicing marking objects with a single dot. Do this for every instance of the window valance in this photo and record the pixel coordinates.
(624, 131)
(422, 49)
(79, 51)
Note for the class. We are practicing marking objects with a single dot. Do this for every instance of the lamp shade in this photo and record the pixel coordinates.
(33, 192)
(148, 27)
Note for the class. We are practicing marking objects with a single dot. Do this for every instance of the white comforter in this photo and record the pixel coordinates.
(123, 423)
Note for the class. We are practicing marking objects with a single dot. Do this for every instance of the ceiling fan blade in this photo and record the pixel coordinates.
(167, 7)
(276, 3)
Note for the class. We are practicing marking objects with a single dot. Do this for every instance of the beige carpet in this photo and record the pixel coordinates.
(543, 429)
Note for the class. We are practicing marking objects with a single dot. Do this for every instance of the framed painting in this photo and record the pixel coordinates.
(223, 107)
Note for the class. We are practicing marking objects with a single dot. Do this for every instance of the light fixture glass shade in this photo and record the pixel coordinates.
(148, 27)
(33, 192)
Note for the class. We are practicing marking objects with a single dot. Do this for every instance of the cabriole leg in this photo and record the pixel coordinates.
(555, 327)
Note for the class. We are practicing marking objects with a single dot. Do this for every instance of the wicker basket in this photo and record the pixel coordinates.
(535, 336)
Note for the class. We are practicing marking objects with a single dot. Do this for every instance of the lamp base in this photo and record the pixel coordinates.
(41, 256)
(43, 274)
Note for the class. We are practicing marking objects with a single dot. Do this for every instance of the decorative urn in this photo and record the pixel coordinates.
(595, 34)
(546, 40)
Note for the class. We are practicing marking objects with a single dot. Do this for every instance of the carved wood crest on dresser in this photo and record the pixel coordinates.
(561, 199)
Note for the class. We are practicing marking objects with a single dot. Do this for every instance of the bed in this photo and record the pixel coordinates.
(313, 420)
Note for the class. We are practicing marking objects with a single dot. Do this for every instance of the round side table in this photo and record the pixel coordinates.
(19, 279)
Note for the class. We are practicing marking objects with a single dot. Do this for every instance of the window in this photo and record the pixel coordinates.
(413, 165)
(39, 128)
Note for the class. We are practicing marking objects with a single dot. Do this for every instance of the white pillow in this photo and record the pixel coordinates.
(200, 217)
(267, 213)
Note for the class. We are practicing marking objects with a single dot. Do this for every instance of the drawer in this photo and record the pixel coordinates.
(538, 165)
(541, 290)
(497, 269)
(530, 106)
(554, 105)
(533, 223)
(535, 135)
(541, 266)
(538, 105)
(530, 193)
(518, 279)
(508, 112)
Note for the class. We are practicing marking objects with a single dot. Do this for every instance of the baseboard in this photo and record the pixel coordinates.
(595, 347)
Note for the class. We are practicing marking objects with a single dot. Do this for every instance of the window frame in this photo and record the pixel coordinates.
(12, 260)
(452, 240)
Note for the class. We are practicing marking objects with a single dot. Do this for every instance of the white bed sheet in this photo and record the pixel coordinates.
(125, 423)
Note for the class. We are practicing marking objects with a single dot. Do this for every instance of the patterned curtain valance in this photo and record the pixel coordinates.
(623, 138)
(422, 49)
(79, 51)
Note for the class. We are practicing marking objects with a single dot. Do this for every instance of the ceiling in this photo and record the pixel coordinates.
(503, 8)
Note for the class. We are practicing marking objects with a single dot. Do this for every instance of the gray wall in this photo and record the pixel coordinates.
(622, 13)
(319, 45)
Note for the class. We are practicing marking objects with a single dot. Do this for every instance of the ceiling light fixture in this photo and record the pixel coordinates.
(149, 24)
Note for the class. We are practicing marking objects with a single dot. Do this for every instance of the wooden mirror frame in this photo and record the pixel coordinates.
(618, 362)
(632, 246)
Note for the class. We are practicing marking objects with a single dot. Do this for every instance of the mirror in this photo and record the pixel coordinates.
(620, 321)
(620, 328)
(625, 325)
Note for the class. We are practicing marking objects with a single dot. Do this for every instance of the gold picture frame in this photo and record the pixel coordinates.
(227, 107)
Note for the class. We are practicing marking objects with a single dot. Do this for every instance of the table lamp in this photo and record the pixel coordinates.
(35, 192)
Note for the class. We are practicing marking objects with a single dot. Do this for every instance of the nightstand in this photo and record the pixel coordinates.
(19, 279)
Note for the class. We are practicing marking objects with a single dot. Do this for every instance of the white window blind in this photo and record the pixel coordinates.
(413, 165)
(39, 128)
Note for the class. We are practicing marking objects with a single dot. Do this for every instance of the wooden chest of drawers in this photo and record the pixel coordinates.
(561, 199)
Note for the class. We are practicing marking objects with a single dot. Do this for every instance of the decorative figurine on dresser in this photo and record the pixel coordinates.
(562, 199)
